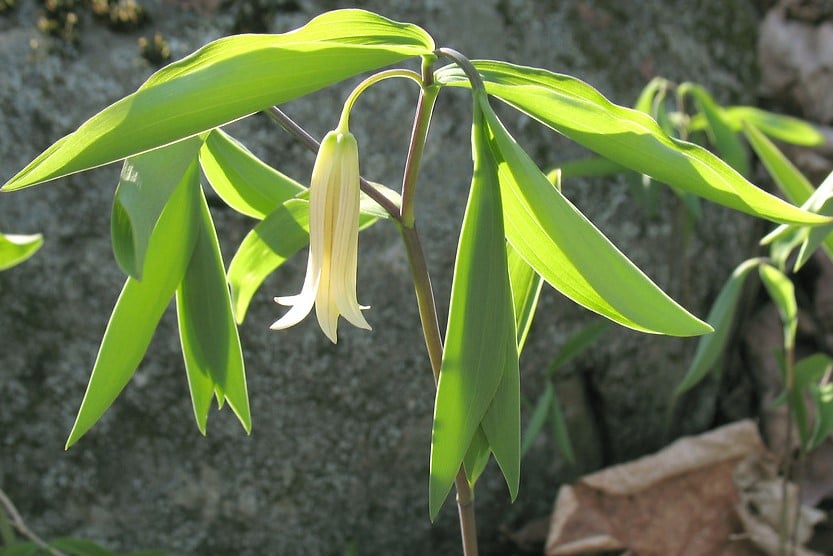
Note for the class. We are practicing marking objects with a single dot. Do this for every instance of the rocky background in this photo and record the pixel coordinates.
(339, 452)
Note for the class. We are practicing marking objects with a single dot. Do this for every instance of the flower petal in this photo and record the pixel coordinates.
(301, 303)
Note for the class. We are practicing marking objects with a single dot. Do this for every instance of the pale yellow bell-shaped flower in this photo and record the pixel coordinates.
(330, 283)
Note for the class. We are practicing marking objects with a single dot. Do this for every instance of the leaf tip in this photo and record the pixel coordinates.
(437, 493)
(74, 436)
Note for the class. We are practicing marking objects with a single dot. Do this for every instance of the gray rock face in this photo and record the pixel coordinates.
(340, 446)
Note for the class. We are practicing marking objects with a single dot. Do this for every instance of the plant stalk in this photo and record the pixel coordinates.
(425, 297)
(419, 134)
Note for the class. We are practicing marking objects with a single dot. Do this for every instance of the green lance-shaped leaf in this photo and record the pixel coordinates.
(146, 183)
(142, 303)
(543, 406)
(788, 178)
(823, 400)
(526, 289)
(577, 344)
(719, 129)
(721, 317)
(226, 80)
(561, 245)
(782, 293)
(481, 347)
(243, 181)
(784, 128)
(284, 232)
(561, 433)
(653, 93)
(810, 370)
(16, 248)
(210, 344)
(626, 136)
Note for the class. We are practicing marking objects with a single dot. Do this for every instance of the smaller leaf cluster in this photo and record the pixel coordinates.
(789, 245)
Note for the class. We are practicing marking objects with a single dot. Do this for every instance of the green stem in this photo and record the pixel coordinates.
(425, 299)
(419, 134)
(343, 123)
(465, 64)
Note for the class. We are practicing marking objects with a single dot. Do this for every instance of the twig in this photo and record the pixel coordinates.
(312, 144)
(18, 523)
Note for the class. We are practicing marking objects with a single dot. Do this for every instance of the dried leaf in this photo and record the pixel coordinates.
(679, 501)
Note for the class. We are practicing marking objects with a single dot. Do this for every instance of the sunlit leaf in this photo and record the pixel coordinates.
(226, 80)
(481, 346)
(788, 178)
(142, 303)
(146, 183)
(243, 181)
(210, 343)
(16, 248)
(571, 254)
(626, 136)
(721, 317)
(778, 126)
(719, 129)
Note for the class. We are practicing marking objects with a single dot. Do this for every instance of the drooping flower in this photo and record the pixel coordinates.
(330, 283)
